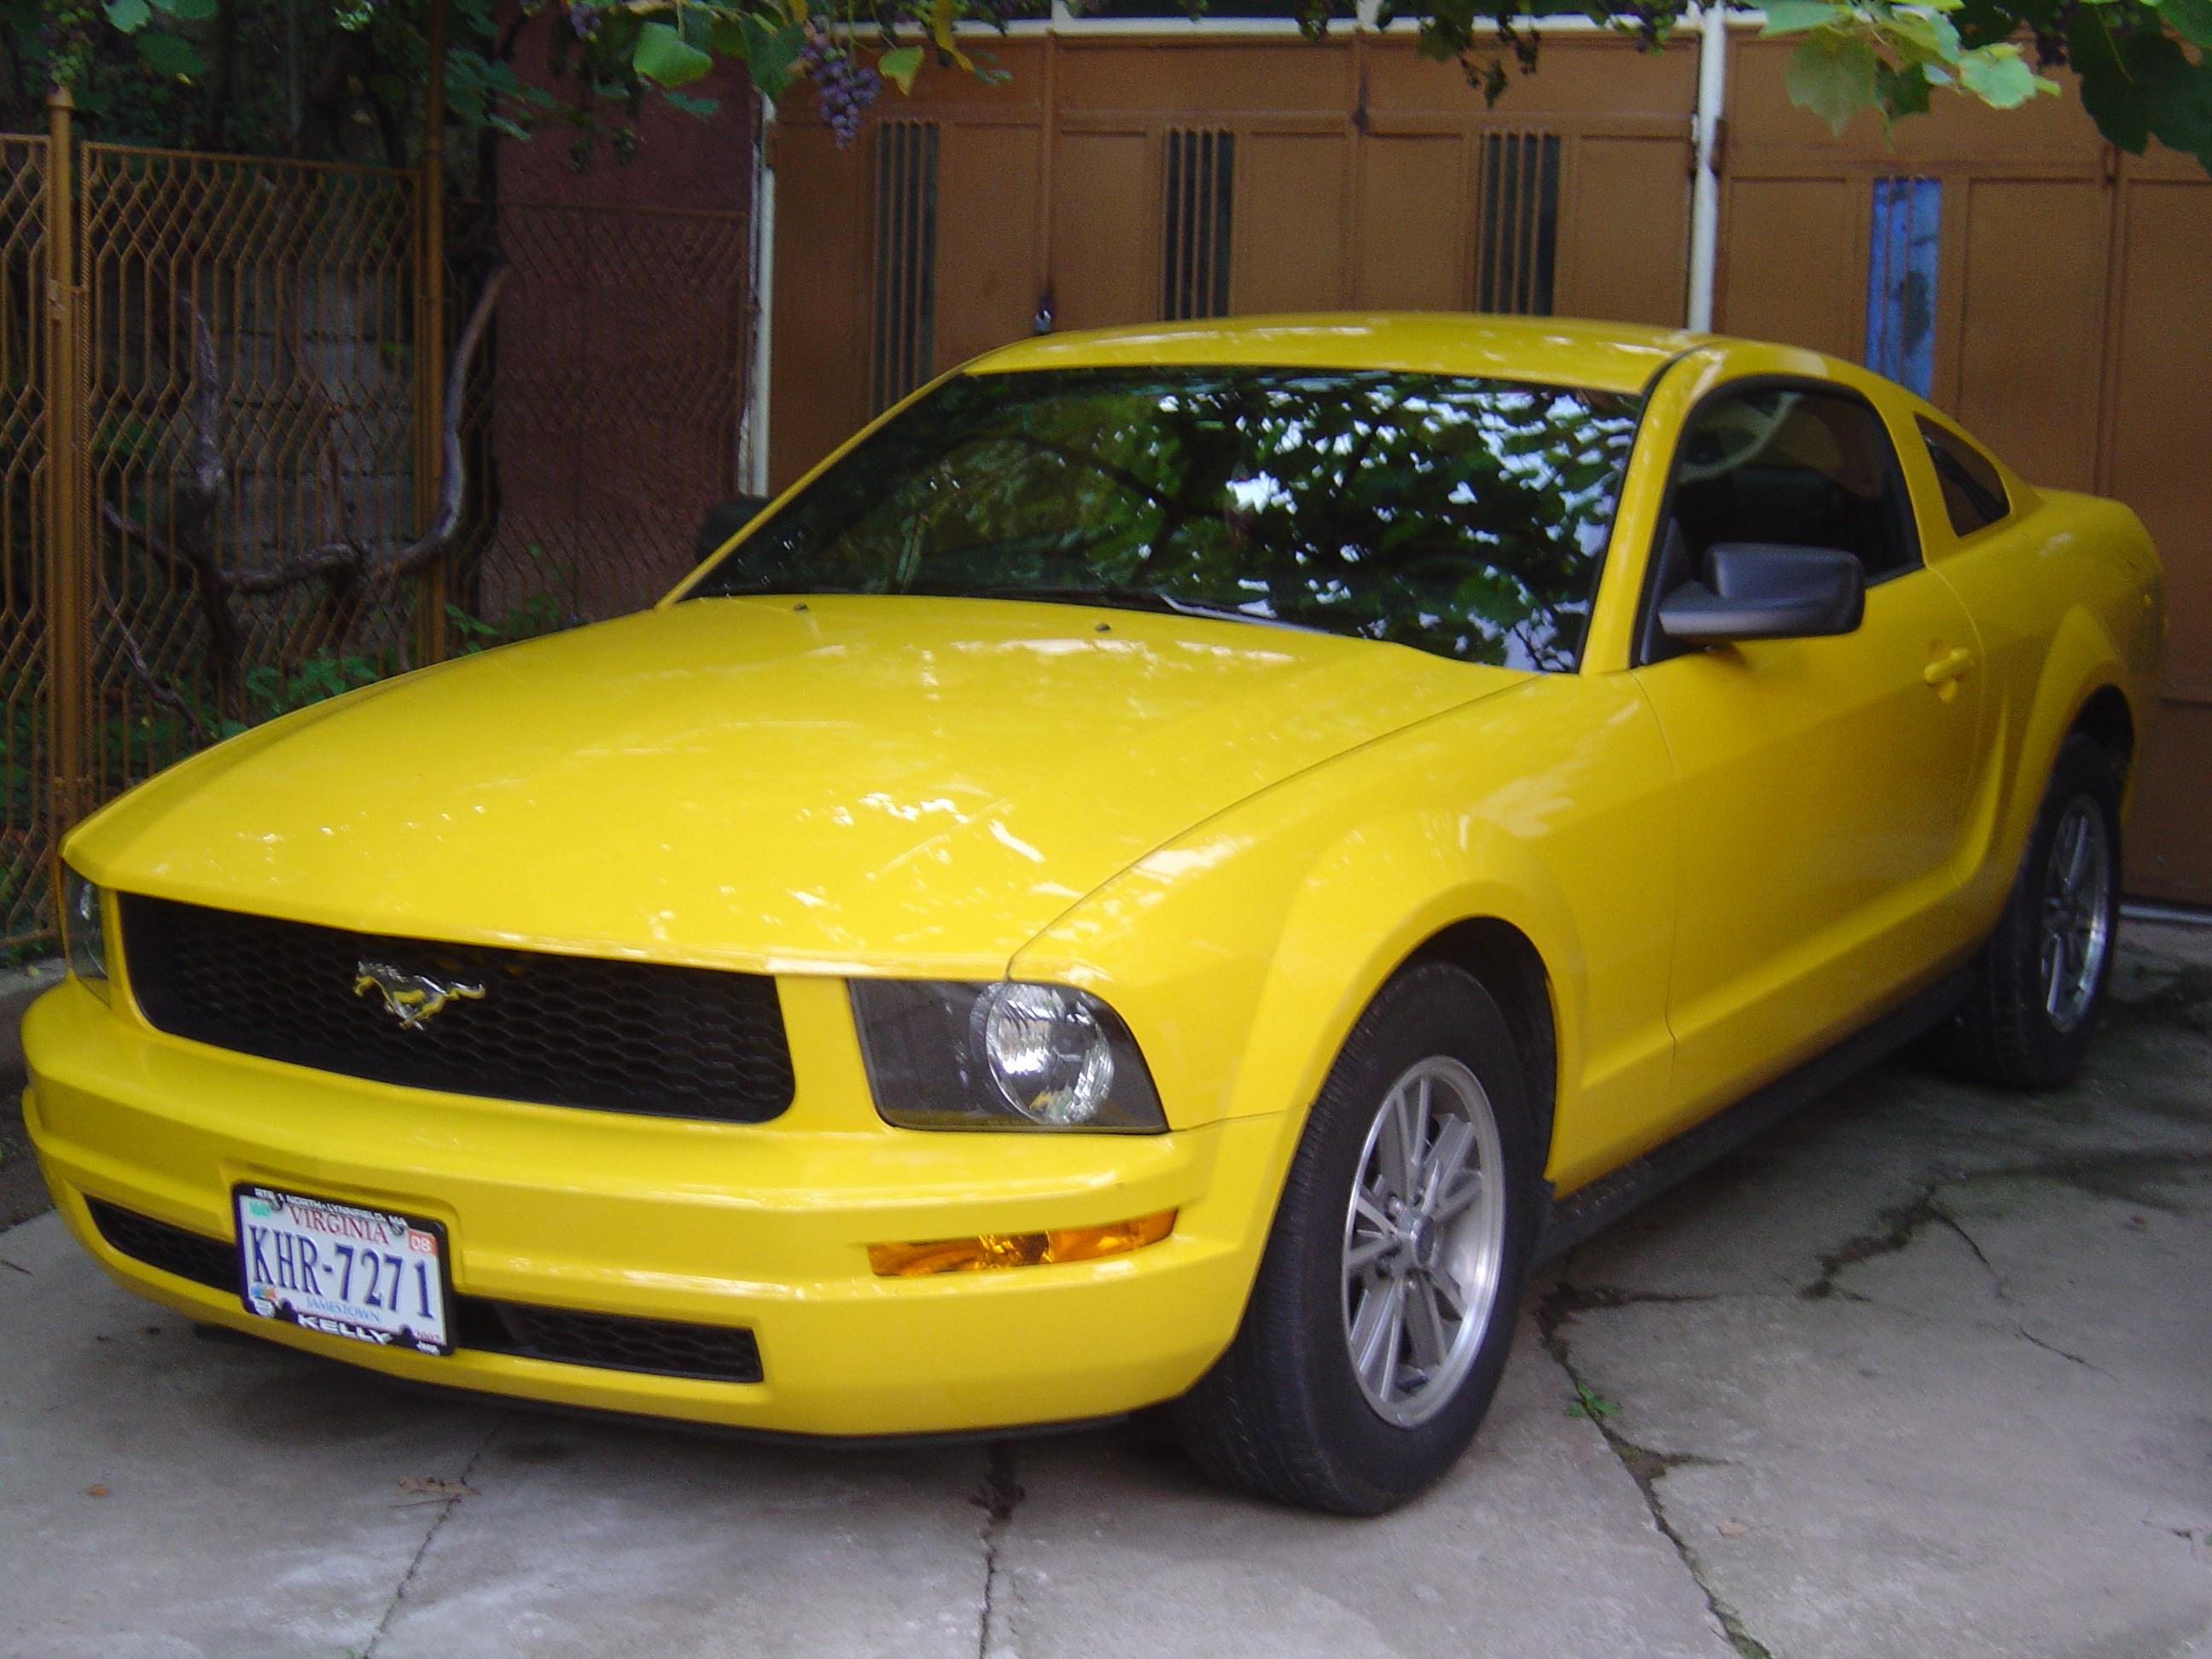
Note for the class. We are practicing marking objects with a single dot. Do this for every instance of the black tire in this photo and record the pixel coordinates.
(2006, 1034)
(1282, 1413)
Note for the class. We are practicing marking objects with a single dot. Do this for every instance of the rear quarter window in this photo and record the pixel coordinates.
(1974, 495)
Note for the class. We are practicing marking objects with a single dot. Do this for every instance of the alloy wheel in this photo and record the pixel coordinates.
(2077, 920)
(1423, 1239)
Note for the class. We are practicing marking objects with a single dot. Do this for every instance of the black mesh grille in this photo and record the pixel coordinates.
(726, 1353)
(203, 1260)
(625, 1037)
(713, 1354)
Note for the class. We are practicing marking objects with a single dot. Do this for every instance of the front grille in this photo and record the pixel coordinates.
(666, 1347)
(623, 1036)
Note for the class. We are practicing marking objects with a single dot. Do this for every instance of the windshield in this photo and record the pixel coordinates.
(1465, 517)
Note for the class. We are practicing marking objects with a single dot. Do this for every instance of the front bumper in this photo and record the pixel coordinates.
(761, 1226)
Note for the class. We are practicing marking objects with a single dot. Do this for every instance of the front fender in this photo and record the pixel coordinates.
(1243, 953)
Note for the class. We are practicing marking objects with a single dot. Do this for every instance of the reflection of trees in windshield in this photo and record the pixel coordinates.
(1466, 517)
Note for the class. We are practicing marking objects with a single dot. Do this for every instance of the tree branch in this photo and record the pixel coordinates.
(452, 486)
(160, 690)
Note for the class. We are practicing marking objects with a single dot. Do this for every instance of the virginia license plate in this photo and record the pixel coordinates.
(370, 1275)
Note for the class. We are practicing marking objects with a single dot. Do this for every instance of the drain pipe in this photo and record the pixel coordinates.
(1705, 192)
(752, 442)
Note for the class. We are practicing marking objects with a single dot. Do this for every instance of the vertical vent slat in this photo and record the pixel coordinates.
(902, 346)
(1197, 215)
(1516, 223)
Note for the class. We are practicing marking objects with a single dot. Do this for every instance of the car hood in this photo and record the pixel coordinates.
(764, 783)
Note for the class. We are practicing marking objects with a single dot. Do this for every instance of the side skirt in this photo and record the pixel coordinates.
(1589, 1209)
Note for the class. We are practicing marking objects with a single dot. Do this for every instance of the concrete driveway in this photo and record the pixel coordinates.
(1928, 1372)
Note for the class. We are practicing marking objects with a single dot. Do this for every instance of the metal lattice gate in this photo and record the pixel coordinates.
(211, 363)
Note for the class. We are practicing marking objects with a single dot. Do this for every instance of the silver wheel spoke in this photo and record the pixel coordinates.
(1358, 1258)
(1447, 1161)
(1466, 1188)
(1375, 1348)
(1432, 1336)
(1395, 1162)
(1367, 1330)
(1365, 1209)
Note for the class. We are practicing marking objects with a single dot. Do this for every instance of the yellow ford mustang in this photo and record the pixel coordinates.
(1175, 867)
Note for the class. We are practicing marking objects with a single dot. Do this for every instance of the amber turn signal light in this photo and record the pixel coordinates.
(967, 1256)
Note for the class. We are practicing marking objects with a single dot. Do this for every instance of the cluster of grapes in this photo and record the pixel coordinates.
(583, 19)
(846, 86)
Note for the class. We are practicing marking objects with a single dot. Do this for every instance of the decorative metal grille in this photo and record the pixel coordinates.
(27, 829)
(906, 257)
(1517, 220)
(230, 353)
(1201, 183)
(250, 388)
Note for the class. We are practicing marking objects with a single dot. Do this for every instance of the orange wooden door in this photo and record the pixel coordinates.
(1116, 179)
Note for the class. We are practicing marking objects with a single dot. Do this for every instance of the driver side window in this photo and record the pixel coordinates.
(1797, 467)
(1787, 466)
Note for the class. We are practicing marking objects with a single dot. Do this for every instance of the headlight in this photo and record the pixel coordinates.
(948, 1056)
(84, 935)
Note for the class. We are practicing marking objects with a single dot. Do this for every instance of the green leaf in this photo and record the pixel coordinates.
(188, 11)
(2000, 77)
(1902, 92)
(900, 66)
(128, 16)
(1921, 38)
(667, 56)
(1794, 16)
(170, 54)
(770, 53)
(1833, 76)
(2191, 19)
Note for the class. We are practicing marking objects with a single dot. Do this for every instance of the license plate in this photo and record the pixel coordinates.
(370, 1275)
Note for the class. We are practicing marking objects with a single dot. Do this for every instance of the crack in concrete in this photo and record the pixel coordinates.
(1645, 1467)
(1896, 1228)
(2101, 1175)
(2033, 1340)
(422, 1549)
(999, 1494)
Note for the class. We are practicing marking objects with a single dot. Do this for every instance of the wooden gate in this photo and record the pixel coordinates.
(1123, 180)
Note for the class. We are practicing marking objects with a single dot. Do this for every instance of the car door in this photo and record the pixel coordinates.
(1825, 783)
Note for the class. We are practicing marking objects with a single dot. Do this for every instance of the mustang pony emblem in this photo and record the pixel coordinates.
(411, 999)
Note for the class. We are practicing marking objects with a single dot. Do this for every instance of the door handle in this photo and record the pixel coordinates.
(1952, 665)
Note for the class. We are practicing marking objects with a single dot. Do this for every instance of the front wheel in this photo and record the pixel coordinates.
(2027, 1024)
(1378, 1325)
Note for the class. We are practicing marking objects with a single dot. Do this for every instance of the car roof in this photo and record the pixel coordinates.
(1548, 351)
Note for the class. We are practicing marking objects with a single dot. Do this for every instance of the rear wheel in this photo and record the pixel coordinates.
(2043, 972)
(1379, 1324)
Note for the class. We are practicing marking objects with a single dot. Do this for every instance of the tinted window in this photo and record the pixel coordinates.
(1973, 494)
(1794, 467)
(1465, 517)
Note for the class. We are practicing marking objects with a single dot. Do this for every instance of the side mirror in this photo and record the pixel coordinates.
(725, 519)
(1757, 590)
